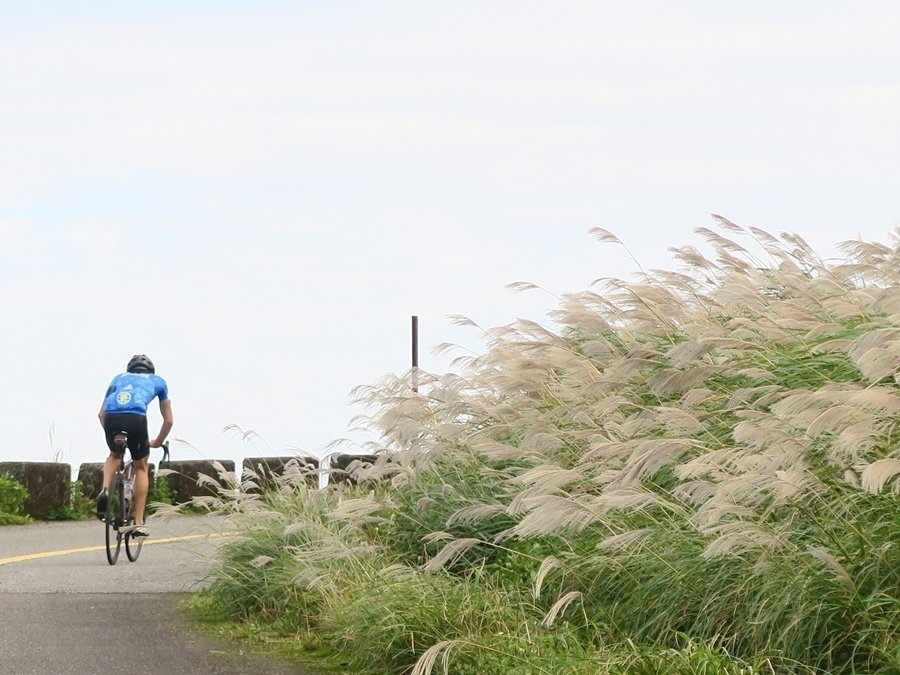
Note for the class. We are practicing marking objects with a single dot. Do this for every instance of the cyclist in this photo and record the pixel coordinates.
(124, 408)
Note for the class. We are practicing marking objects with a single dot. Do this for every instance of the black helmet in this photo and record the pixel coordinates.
(140, 364)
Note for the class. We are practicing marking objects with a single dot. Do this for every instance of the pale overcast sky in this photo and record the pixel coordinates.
(259, 195)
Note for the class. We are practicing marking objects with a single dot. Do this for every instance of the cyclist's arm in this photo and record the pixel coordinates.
(165, 409)
(101, 414)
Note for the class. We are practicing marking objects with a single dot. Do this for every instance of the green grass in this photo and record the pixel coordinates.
(13, 496)
(80, 506)
(260, 637)
(13, 519)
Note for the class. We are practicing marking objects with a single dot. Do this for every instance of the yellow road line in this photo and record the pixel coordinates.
(88, 549)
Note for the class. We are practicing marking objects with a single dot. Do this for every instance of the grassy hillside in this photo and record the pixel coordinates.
(697, 471)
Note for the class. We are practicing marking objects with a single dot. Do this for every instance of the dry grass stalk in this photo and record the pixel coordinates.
(560, 606)
(426, 662)
(547, 478)
(837, 418)
(625, 540)
(739, 537)
(840, 572)
(552, 513)
(624, 499)
(358, 511)
(476, 513)
(879, 473)
(450, 553)
(549, 564)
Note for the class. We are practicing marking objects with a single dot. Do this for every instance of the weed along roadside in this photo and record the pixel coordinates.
(694, 473)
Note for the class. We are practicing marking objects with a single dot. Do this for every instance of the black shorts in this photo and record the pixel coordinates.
(132, 424)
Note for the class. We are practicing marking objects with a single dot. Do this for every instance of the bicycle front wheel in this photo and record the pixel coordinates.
(115, 518)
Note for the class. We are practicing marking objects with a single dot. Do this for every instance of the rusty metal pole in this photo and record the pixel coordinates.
(415, 353)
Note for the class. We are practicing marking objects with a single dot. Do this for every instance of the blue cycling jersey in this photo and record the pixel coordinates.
(133, 392)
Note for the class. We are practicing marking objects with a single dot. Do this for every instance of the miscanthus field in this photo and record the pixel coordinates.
(697, 471)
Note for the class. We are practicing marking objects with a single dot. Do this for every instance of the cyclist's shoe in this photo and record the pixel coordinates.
(140, 531)
(102, 504)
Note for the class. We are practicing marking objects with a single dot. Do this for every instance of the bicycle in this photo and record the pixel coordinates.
(119, 517)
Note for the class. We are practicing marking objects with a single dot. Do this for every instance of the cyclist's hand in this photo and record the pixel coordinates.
(155, 443)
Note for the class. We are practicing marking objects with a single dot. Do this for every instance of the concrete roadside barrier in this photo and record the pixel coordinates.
(49, 488)
(183, 477)
(349, 469)
(47, 484)
(261, 473)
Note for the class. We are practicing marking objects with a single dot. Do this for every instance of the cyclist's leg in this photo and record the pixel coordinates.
(109, 471)
(111, 428)
(109, 468)
(113, 425)
(139, 445)
(141, 487)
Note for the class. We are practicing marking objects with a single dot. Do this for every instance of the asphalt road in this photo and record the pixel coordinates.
(64, 609)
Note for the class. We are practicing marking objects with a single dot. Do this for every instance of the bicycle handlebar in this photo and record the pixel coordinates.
(165, 449)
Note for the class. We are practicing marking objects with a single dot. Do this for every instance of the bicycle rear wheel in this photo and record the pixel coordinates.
(115, 518)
